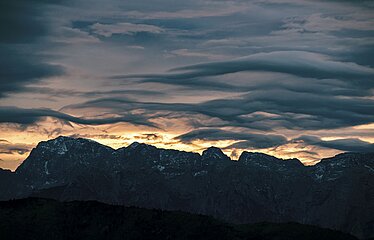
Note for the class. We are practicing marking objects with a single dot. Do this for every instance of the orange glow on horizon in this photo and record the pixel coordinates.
(122, 135)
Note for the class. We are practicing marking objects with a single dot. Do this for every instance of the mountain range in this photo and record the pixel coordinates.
(336, 193)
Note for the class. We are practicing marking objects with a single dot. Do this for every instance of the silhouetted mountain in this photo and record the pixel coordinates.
(337, 193)
(48, 219)
(6, 190)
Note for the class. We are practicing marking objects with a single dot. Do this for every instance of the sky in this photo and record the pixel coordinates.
(294, 79)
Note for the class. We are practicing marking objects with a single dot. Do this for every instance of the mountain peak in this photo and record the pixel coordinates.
(142, 147)
(138, 144)
(62, 144)
(265, 160)
(56, 160)
(133, 145)
(349, 159)
(251, 155)
(63, 138)
(214, 153)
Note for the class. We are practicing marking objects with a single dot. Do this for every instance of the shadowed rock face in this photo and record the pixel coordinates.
(337, 193)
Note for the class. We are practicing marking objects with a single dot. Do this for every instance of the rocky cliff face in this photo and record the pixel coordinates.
(336, 193)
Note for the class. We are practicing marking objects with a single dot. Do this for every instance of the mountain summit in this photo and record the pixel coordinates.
(336, 193)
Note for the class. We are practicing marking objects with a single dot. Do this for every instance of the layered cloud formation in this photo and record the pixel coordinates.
(22, 62)
(290, 78)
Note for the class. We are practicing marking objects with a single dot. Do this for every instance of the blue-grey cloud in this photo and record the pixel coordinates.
(347, 144)
(31, 116)
(247, 140)
(298, 63)
(19, 68)
(285, 109)
(63, 93)
(107, 30)
(21, 27)
(22, 21)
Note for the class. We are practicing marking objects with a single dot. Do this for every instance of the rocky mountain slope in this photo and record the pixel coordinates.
(337, 193)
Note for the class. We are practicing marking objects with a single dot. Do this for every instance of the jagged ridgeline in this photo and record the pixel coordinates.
(337, 193)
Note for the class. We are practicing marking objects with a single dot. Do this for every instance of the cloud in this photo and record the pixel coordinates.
(291, 110)
(99, 136)
(188, 13)
(275, 67)
(62, 93)
(7, 147)
(21, 21)
(19, 68)
(22, 27)
(346, 144)
(149, 137)
(264, 110)
(107, 30)
(68, 35)
(322, 23)
(200, 54)
(31, 116)
(298, 63)
(319, 93)
(250, 140)
(164, 10)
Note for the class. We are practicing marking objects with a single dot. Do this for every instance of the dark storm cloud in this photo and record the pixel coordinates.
(31, 116)
(22, 27)
(250, 140)
(348, 144)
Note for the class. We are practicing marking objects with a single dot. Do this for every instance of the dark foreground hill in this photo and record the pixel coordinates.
(337, 193)
(48, 219)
